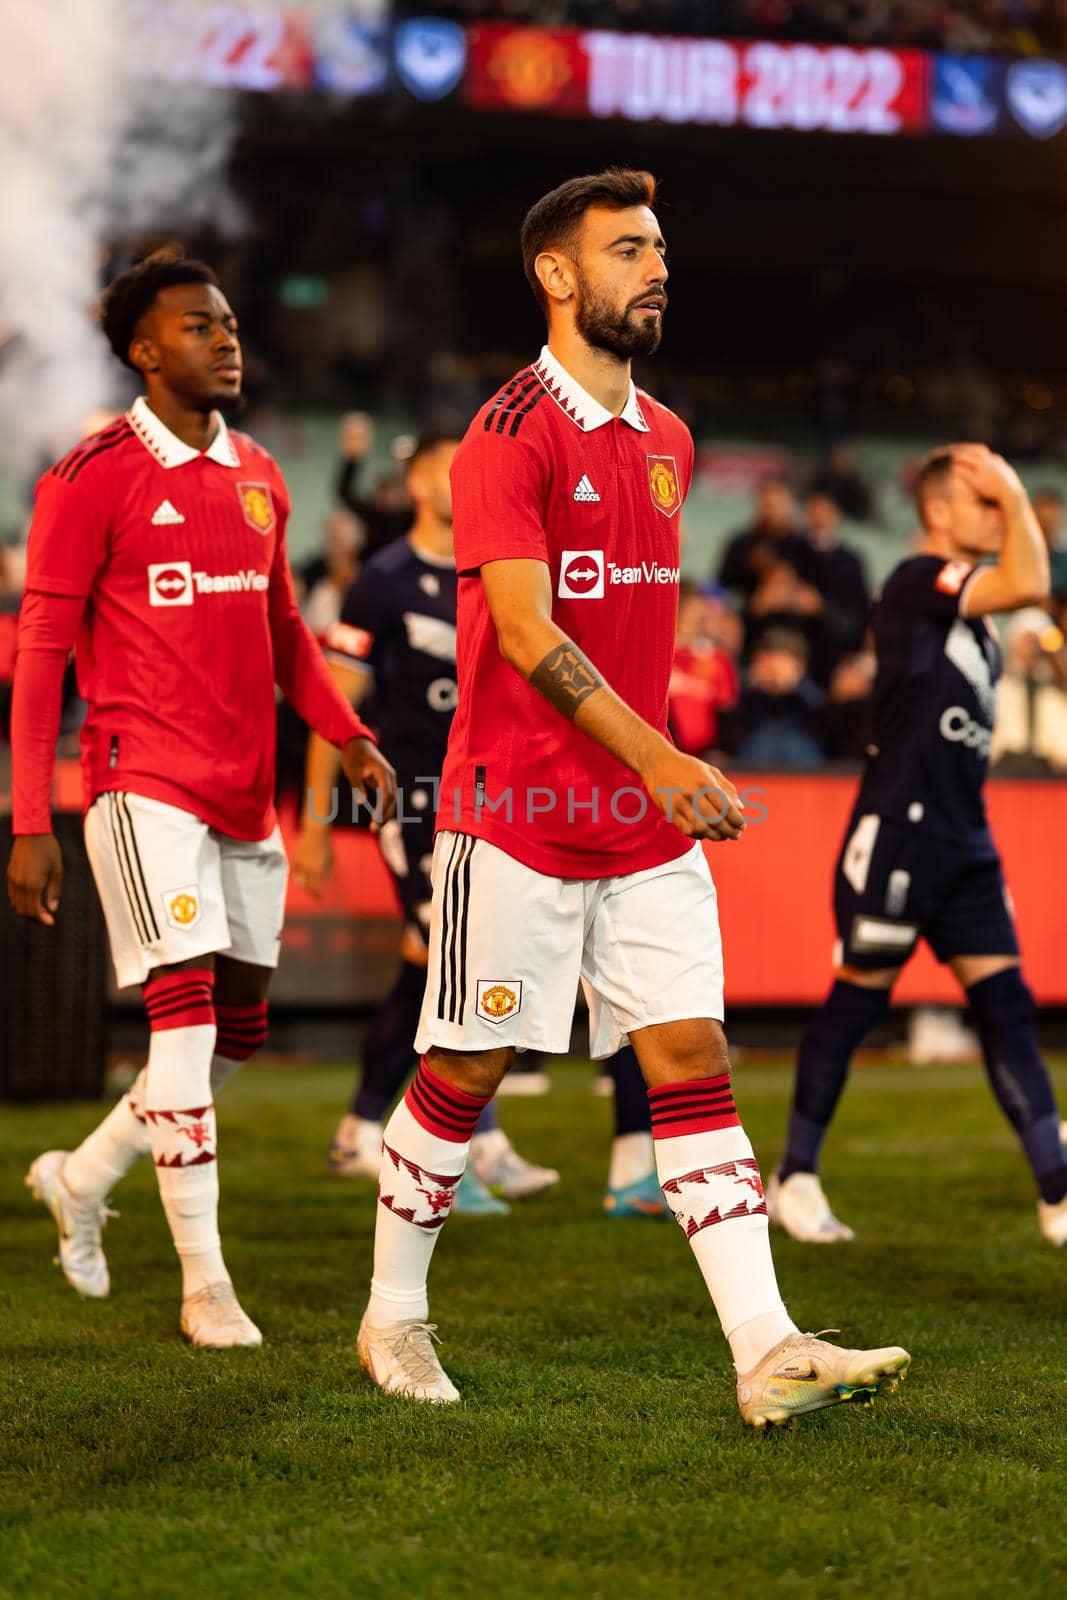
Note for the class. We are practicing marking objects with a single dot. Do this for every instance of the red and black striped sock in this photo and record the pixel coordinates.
(699, 1105)
(242, 1030)
(442, 1109)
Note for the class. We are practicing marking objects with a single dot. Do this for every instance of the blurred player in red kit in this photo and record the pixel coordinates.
(569, 826)
(157, 552)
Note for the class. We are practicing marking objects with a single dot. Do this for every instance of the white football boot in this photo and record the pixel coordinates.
(212, 1319)
(401, 1359)
(1052, 1220)
(80, 1223)
(800, 1206)
(356, 1151)
(805, 1373)
(499, 1166)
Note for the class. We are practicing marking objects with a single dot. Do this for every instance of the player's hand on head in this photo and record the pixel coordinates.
(695, 797)
(35, 877)
(312, 860)
(367, 770)
(988, 474)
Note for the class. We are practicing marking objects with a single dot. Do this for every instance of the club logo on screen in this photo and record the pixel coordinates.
(170, 583)
(663, 484)
(1037, 95)
(581, 575)
(430, 54)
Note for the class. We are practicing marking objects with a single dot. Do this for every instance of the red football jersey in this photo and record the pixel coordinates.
(170, 563)
(546, 472)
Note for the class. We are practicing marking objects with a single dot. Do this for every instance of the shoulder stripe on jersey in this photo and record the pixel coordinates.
(71, 471)
(505, 396)
(124, 812)
(515, 402)
(88, 446)
(524, 412)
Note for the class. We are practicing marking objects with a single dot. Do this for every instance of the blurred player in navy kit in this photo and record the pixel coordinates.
(398, 633)
(918, 859)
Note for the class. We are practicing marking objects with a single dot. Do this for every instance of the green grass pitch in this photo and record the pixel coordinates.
(598, 1450)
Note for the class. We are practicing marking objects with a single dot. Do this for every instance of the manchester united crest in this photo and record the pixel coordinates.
(257, 505)
(498, 999)
(663, 484)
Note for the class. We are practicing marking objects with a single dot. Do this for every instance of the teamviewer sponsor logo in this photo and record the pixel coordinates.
(174, 583)
(170, 583)
(581, 575)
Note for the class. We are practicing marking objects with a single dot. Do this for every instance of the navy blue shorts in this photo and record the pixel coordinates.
(895, 884)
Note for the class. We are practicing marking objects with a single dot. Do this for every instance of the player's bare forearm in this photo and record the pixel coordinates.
(323, 760)
(1024, 558)
(1021, 574)
(568, 680)
(694, 796)
(321, 767)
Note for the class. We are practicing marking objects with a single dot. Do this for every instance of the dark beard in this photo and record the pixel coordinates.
(601, 326)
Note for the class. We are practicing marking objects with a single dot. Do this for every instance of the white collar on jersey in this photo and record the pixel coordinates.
(579, 405)
(168, 449)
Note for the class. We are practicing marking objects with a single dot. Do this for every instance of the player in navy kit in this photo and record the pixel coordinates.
(918, 859)
(397, 633)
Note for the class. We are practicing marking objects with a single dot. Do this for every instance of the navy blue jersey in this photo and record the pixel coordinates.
(399, 621)
(934, 702)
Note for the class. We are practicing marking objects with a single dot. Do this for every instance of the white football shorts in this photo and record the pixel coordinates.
(172, 888)
(508, 947)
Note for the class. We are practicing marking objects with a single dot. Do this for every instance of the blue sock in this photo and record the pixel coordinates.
(1004, 1011)
(848, 1013)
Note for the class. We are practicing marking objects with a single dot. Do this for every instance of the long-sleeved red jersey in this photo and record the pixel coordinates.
(164, 568)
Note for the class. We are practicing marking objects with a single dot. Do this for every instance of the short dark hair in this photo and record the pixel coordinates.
(127, 298)
(553, 223)
(427, 443)
(933, 473)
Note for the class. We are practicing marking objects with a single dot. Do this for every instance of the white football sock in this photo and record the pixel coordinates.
(121, 1140)
(107, 1154)
(711, 1181)
(632, 1158)
(181, 1120)
(424, 1153)
(412, 1159)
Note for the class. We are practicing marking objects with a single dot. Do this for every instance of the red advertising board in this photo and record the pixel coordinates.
(721, 82)
(774, 890)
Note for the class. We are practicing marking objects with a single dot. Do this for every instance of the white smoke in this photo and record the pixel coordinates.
(94, 146)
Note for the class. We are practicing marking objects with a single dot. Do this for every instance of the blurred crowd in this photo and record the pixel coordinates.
(773, 663)
(1008, 27)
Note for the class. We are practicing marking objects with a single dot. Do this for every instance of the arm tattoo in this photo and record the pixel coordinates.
(566, 677)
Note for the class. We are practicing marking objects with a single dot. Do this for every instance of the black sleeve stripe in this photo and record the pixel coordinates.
(520, 416)
(90, 446)
(505, 395)
(71, 468)
(516, 400)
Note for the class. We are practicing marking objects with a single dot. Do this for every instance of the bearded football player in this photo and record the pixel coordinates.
(570, 829)
(157, 553)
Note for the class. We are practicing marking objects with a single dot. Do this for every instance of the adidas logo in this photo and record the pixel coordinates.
(165, 516)
(585, 491)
